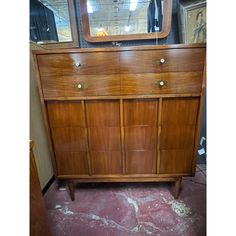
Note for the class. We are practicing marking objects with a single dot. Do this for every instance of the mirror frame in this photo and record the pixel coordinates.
(74, 32)
(166, 27)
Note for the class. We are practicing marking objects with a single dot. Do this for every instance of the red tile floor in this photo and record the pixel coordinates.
(120, 209)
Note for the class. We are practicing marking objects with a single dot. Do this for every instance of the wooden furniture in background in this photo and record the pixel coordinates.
(123, 114)
(42, 25)
(38, 216)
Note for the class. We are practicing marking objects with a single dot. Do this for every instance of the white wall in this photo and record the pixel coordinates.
(37, 128)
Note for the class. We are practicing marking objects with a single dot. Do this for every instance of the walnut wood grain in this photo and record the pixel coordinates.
(149, 83)
(140, 137)
(140, 112)
(104, 135)
(141, 162)
(126, 177)
(177, 137)
(72, 162)
(66, 114)
(103, 113)
(104, 138)
(140, 128)
(122, 126)
(69, 139)
(108, 178)
(90, 63)
(180, 111)
(68, 131)
(146, 61)
(173, 161)
(110, 97)
(91, 85)
(106, 162)
(149, 61)
(145, 83)
(120, 49)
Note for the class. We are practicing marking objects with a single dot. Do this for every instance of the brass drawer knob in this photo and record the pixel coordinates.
(77, 64)
(162, 83)
(79, 86)
(162, 60)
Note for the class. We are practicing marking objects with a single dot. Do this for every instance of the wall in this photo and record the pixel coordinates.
(37, 129)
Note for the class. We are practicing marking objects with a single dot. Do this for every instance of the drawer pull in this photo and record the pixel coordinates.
(162, 60)
(77, 64)
(162, 83)
(79, 86)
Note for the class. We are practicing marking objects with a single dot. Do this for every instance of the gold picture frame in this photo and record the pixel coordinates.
(192, 19)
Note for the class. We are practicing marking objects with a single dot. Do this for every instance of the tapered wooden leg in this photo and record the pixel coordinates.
(177, 187)
(72, 190)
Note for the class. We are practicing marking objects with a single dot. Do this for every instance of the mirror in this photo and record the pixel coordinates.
(118, 20)
(52, 23)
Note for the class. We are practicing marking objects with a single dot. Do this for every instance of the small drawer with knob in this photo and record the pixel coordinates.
(80, 86)
(82, 63)
(161, 83)
(166, 60)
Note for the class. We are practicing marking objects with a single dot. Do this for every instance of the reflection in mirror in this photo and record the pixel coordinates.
(117, 20)
(122, 17)
(50, 21)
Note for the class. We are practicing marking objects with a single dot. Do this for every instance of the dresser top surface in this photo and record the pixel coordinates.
(117, 49)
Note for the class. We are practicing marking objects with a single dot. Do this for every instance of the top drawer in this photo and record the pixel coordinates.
(167, 60)
(78, 63)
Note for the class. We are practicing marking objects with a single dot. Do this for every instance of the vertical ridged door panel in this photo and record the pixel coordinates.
(178, 126)
(140, 135)
(68, 130)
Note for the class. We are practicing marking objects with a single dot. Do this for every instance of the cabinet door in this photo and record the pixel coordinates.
(67, 124)
(140, 136)
(178, 125)
(103, 121)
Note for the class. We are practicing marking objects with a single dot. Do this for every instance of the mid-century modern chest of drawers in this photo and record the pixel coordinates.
(125, 114)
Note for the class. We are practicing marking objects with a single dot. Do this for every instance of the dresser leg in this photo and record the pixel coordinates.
(71, 186)
(177, 187)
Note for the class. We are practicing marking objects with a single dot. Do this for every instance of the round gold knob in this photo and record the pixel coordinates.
(77, 64)
(162, 60)
(80, 86)
(161, 83)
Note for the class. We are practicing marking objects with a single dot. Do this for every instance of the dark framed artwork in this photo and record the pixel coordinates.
(192, 19)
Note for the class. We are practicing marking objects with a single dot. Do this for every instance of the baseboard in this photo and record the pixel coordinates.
(45, 189)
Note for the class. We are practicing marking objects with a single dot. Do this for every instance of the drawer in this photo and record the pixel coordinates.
(175, 60)
(83, 85)
(149, 83)
(78, 63)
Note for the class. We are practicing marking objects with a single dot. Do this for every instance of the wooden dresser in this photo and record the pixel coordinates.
(125, 114)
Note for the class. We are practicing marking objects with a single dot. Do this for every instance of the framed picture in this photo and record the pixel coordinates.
(192, 21)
